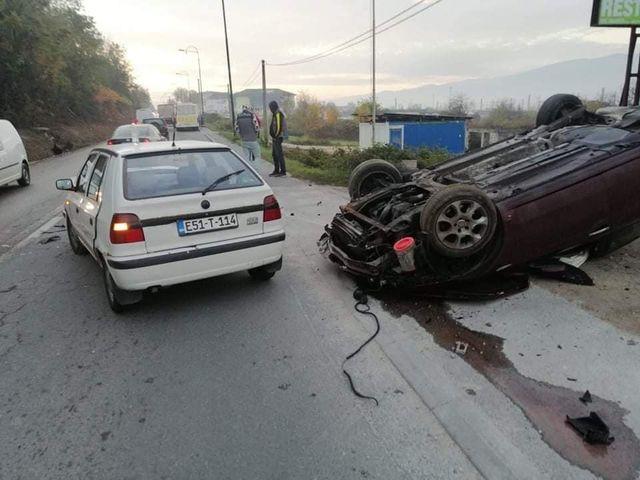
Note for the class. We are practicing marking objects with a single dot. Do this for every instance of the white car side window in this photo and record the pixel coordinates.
(83, 178)
(96, 178)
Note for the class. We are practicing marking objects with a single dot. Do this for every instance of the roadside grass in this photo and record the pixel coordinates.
(334, 168)
(329, 142)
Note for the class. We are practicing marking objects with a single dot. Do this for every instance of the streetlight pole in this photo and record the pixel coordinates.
(373, 74)
(226, 42)
(192, 48)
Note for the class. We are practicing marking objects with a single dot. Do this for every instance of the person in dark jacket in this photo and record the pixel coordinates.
(277, 131)
(248, 127)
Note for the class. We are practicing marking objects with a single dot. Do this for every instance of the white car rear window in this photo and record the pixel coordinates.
(178, 173)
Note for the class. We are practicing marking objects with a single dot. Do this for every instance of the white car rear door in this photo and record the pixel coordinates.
(5, 170)
(86, 216)
(77, 197)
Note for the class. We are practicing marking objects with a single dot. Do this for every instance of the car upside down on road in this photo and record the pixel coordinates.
(572, 182)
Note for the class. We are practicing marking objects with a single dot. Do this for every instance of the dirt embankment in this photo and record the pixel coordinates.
(43, 142)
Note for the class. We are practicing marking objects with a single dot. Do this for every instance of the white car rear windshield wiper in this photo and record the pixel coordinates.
(224, 178)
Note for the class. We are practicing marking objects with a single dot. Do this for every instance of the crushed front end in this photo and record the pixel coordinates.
(361, 239)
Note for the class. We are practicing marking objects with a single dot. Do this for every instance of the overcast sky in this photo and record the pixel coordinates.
(456, 39)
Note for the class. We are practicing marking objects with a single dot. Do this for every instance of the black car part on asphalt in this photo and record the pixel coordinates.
(361, 306)
(592, 429)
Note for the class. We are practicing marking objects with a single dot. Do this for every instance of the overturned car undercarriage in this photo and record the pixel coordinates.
(571, 183)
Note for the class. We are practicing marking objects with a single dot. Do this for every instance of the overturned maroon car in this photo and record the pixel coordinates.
(571, 183)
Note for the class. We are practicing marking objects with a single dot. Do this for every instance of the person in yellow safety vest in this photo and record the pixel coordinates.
(278, 131)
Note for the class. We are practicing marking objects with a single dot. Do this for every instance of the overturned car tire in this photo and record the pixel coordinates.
(371, 176)
(459, 221)
(556, 107)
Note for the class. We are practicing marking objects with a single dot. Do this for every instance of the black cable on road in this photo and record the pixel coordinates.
(362, 306)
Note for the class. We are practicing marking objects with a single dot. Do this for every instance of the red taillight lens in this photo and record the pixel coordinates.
(144, 140)
(271, 209)
(110, 141)
(126, 228)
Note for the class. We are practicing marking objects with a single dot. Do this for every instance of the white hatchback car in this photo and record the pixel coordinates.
(14, 165)
(154, 215)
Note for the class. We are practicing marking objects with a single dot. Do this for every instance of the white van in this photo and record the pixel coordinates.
(187, 116)
(14, 165)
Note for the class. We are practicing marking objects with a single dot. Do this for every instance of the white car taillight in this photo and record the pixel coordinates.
(271, 209)
(126, 228)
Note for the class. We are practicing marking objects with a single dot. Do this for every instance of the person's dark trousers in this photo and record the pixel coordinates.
(278, 156)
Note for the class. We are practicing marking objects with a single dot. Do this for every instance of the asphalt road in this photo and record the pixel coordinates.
(227, 378)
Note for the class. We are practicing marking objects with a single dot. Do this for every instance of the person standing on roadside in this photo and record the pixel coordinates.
(248, 127)
(277, 131)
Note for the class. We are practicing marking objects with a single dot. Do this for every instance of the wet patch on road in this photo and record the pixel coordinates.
(546, 406)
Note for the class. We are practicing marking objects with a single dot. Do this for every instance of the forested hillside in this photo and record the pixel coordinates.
(56, 67)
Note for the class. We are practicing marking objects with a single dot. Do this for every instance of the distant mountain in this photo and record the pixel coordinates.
(584, 77)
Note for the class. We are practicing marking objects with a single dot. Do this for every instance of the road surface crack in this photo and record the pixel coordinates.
(4, 315)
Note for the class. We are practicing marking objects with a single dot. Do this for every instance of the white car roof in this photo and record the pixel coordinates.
(152, 147)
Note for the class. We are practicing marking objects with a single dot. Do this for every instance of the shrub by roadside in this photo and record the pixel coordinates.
(335, 168)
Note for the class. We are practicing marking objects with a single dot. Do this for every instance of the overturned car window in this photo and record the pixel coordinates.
(164, 174)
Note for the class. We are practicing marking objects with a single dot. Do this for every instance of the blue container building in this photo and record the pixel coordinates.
(414, 130)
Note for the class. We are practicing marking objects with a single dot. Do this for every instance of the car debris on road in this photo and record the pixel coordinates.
(566, 186)
(592, 429)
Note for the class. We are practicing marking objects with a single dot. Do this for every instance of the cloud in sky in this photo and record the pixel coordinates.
(454, 40)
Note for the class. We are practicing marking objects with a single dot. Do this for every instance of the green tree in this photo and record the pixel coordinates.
(459, 105)
(365, 108)
(55, 65)
(186, 96)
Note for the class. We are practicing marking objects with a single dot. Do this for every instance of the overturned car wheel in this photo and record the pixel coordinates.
(458, 221)
(371, 176)
(556, 107)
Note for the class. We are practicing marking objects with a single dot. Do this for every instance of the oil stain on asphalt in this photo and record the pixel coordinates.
(546, 406)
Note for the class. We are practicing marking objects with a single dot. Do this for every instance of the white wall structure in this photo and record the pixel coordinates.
(382, 134)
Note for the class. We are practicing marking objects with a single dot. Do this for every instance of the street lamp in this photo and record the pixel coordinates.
(194, 49)
(185, 74)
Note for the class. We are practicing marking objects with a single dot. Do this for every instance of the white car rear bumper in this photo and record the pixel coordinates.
(140, 272)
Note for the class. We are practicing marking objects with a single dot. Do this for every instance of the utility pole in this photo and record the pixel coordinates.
(373, 73)
(264, 105)
(226, 42)
(195, 49)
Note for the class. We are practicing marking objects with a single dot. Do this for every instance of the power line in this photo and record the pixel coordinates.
(294, 62)
(357, 40)
(252, 77)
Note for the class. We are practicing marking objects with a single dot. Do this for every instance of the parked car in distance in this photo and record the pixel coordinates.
(14, 164)
(160, 124)
(143, 113)
(135, 134)
(570, 183)
(154, 215)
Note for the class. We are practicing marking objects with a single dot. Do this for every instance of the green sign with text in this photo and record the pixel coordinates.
(616, 13)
